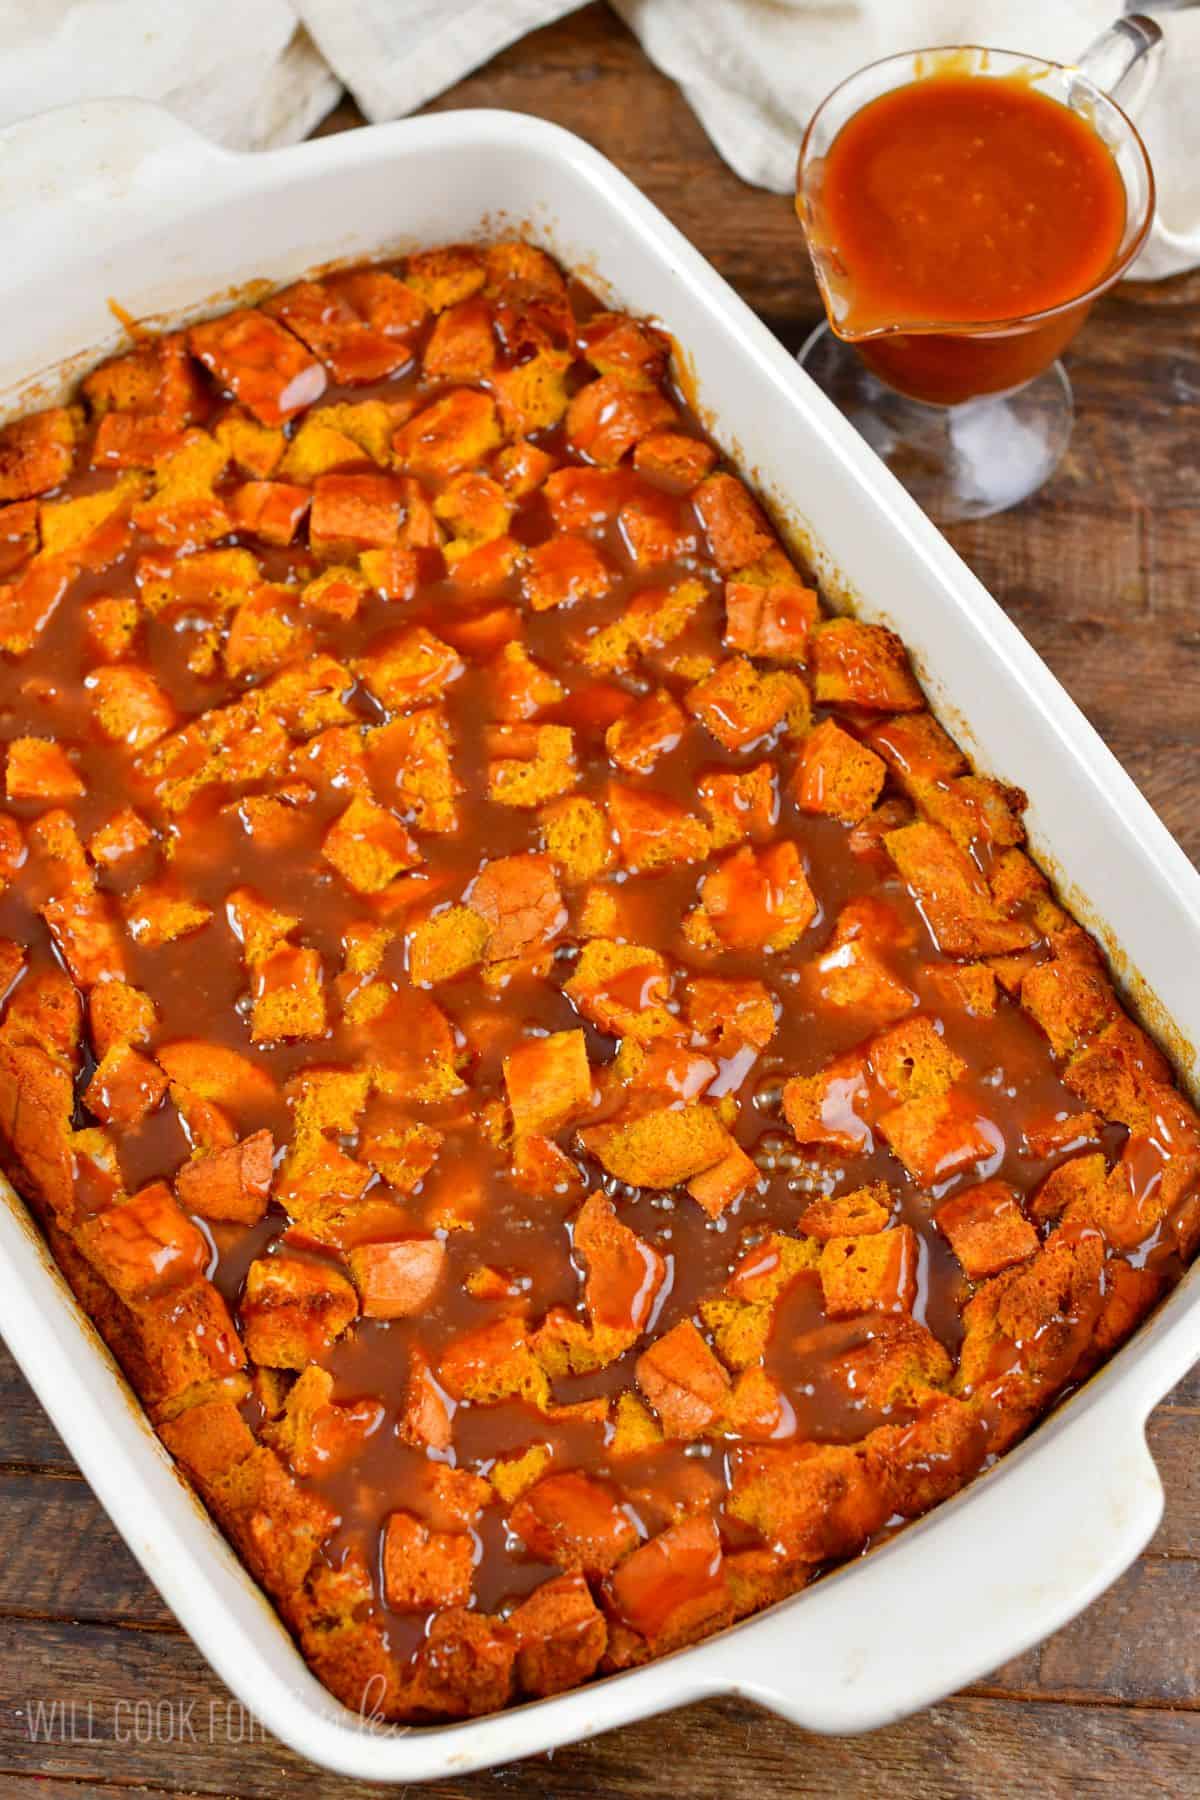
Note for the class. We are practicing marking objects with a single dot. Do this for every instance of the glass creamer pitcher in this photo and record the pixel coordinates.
(942, 348)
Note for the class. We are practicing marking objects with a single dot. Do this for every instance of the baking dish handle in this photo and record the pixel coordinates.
(1017, 1555)
(101, 150)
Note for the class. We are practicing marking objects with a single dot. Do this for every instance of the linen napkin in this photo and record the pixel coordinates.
(264, 72)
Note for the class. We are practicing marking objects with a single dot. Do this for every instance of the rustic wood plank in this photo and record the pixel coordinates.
(41, 1787)
(26, 1434)
(156, 1688)
(72, 1562)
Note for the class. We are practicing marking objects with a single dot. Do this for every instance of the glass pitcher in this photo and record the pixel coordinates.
(972, 415)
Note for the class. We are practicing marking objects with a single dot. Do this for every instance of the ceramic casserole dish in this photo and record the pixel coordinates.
(117, 201)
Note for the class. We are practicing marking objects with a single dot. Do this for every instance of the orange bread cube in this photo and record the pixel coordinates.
(986, 1229)
(397, 1280)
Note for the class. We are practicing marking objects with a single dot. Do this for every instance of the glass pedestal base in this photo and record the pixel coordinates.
(958, 462)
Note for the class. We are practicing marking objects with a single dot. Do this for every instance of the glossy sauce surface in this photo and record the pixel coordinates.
(964, 200)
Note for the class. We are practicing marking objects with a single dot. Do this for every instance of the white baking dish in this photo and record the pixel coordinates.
(116, 199)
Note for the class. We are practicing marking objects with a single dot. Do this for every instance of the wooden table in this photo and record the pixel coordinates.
(1100, 572)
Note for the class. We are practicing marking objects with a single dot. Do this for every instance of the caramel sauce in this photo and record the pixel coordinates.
(961, 201)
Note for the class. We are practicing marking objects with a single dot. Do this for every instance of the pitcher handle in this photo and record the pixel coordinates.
(1121, 61)
(1124, 63)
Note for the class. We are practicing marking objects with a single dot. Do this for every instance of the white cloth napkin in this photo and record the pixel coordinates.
(263, 72)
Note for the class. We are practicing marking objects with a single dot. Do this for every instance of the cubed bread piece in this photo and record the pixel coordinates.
(529, 764)
(734, 523)
(288, 988)
(36, 452)
(368, 846)
(606, 418)
(986, 1229)
(322, 316)
(425, 1570)
(740, 704)
(813, 1500)
(731, 1013)
(520, 902)
(725, 1181)
(462, 345)
(876, 1273)
(969, 986)
(232, 1183)
(520, 686)
(916, 1465)
(894, 1365)
(408, 668)
(623, 989)
(316, 1434)
(575, 1521)
(36, 1108)
(40, 769)
(158, 912)
(582, 499)
(1033, 1323)
(145, 1244)
(355, 513)
(445, 945)
(560, 1634)
(216, 1073)
(954, 898)
(939, 1135)
(660, 1148)
(417, 752)
(454, 432)
(629, 351)
(852, 974)
(675, 459)
(494, 1363)
(831, 1107)
(769, 612)
(264, 366)
(673, 1587)
(753, 900)
(269, 510)
(683, 1381)
(624, 1274)
(443, 277)
(862, 665)
(425, 1413)
(46, 1011)
(837, 775)
(30, 601)
(563, 571)
(576, 837)
(463, 1667)
(657, 527)
(1119, 1073)
(915, 747)
(740, 803)
(130, 707)
(652, 828)
(293, 1309)
(125, 1086)
(548, 1081)
(1071, 1001)
(652, 728)
(912, 1061)
(397, 1280)
(1076, 1185)
(853, 1215)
